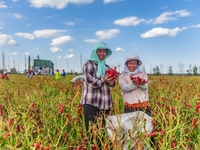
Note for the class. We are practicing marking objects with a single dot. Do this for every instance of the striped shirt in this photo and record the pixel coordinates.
(96, 91)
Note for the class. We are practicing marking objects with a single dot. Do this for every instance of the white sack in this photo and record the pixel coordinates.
(122, 123)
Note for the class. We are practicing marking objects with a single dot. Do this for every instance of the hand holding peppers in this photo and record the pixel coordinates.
(138, 81)
(112, 73)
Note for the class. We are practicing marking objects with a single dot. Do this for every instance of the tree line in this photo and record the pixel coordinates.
(157, 70)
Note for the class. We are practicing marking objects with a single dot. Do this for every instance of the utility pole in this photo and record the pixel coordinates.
(25, 62)
(3, 61)
(13, 61)
(81, 62)
(18, 66)
(68, 65)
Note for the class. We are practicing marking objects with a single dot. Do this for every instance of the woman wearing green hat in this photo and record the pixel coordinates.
(96, 96)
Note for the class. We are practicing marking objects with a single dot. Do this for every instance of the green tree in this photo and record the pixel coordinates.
(170, 72)
(29, 62)
(195, 69)
(154, 70)
(157, 69)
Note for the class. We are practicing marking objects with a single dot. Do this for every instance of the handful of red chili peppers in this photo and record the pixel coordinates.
(112, 73)
(138, 81)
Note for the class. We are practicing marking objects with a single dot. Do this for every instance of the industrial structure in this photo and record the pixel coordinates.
(44, 67)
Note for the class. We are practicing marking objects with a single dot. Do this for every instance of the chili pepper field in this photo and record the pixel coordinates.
(44, 114)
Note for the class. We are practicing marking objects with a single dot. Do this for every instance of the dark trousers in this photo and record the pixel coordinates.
(91, 114)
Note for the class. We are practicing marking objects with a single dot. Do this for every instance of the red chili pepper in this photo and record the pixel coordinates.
(197, 108)
(11, 121)
(112, 73)
(138, 81)
(152, 134)
(94, 147)
(162, 132)
(152, 122)
(37, 145)
(1, 110)
(173, 144)
(62, 106)
(122, 142)
(32, 106)
(47, 148)
(6, 135)
(186, 130)
(18, 128)
(79, 147)
(65, 135)
(194, 122)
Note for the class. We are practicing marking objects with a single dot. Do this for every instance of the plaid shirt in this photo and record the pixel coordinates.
(96, 91)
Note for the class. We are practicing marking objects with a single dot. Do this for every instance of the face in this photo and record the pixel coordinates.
(132, 65)
(101, 54)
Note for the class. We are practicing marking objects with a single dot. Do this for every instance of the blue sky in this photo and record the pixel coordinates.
(161, 32)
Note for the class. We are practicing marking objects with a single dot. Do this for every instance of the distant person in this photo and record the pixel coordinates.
(77, 79)
(29, 74)
(63, 73)
(57, 74)
(39, 70)
(4, 75)
(5, 72)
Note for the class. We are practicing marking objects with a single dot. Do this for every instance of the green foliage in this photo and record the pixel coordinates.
(47, 112)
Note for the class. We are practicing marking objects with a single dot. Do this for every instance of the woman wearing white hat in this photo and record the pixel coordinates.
(135, 95)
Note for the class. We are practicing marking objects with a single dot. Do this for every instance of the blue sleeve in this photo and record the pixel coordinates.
(143, 87)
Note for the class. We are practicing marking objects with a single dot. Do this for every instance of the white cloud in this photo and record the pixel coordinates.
(69, 56)
(3, 5)
(164, 7)
(62, 40)
(119, 49)
(161, 32)
(48, 33)
(92, 40)
(25, 35)
(196, 26)
(129, 21)
(170, 16)
(52, 17)
(15, 1)
(69, 23)
(71, 50)
(182, 13)
(107, 34)
(59, 4)
(110, 1)
(55, 49)
(26, 53)
(14, 53)
(18, 16)
(59, 57)
(6, 39)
